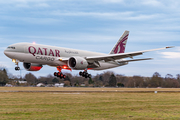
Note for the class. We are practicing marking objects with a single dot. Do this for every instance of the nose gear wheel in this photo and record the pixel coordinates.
(17, 68)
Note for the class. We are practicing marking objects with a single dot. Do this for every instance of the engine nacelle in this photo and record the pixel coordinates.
(77, 63)
(32, 66)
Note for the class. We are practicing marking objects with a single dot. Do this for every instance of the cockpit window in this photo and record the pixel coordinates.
(10, 47)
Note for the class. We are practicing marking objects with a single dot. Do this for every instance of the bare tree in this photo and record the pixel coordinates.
(130, 82)
(156, 80)
(178, 78)
(31, 79)
(106, 75)
(3, 77)
(138, 81)
(112, 81)
(121, 79)
(171, 82)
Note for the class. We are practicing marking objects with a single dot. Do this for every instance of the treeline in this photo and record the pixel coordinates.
(3, 76)
(106, 79)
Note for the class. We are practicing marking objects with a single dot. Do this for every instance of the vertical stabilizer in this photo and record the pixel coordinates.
(121, 44)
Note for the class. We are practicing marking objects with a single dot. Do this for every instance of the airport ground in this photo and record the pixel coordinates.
(89, 103)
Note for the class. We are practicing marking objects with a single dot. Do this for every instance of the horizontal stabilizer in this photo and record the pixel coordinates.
(134, 60)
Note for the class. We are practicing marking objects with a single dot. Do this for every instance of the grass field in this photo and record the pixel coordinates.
(93, 106)
(83, 89)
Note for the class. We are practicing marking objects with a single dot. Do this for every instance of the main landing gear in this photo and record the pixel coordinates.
(59, 74)
(85, 74)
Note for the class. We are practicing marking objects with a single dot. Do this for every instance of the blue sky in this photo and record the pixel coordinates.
(95, 25)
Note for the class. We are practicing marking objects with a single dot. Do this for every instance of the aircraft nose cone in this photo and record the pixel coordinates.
(8, 54)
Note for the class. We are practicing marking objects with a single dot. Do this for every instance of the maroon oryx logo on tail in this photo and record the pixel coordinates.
(120, 48)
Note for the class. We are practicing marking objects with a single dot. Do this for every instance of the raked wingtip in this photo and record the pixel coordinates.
(170, 47)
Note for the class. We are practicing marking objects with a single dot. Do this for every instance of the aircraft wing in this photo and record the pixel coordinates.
(112, 57)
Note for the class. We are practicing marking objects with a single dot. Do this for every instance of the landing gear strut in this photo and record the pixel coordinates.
(16, 62)
(59, 74)
(85, 74)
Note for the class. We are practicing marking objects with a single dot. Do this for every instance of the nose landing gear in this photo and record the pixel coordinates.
(16, 63)
(17, 68)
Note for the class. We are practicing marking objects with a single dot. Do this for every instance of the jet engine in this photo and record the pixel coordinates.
(77, 63)
(32, 66)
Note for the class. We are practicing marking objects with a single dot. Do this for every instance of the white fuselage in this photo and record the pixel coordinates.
(51, 55)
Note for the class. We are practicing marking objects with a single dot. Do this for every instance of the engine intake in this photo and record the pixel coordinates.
(32, 66)
(77, 63)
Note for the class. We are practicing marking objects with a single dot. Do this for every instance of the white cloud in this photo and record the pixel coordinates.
(152, 2)
(23, 4)
(21, 1)
(129, 15)
(113, 1)
(32, 20)
(168, 6)
(42, 5)
(108, 14)
(173, 55)
(77, 37)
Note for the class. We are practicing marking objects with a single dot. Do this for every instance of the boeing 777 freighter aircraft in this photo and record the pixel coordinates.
(34, 56)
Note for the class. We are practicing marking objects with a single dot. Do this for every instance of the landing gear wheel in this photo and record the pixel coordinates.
(55, 73)
(80, 73)
(17, 68)
(85, 74)
(89, 75)
(59, 74)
